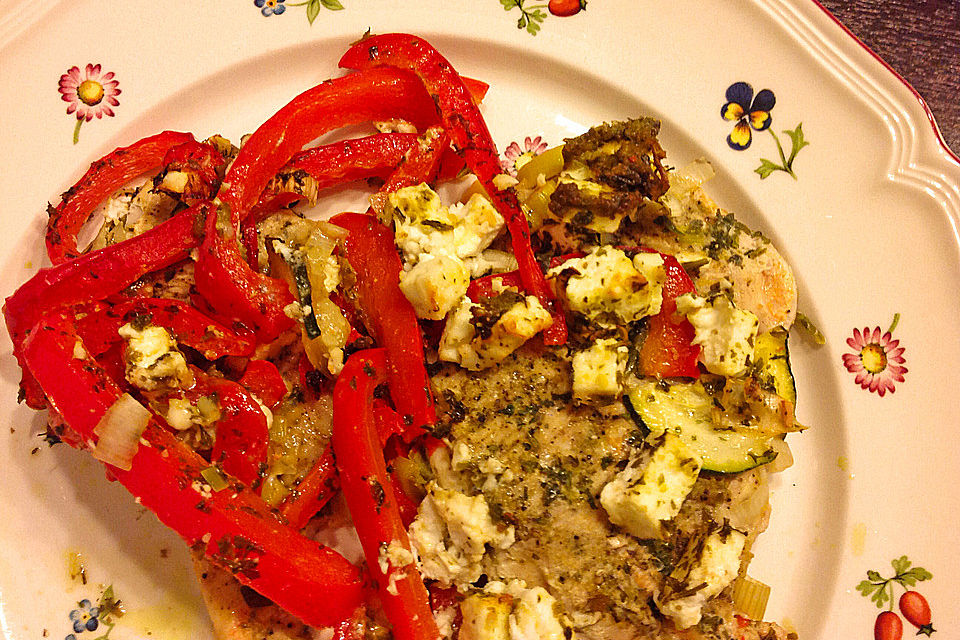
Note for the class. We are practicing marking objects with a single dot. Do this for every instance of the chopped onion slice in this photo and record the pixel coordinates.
(784, 459)
(119, 432)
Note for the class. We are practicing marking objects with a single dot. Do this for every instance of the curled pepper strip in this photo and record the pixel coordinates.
(200, 166)
(370, 249)
(369, 156)
(235, 290)
(242, 437)
(419, 164)
(238, 531)
(354, 159)
(95, 276)
(371, 499)
(468, 131)
(379, 94)
(101, 180)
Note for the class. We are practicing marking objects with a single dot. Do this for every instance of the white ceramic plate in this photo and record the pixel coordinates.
(869, 223)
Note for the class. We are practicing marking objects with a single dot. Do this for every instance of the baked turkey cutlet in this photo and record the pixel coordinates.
(538, 407)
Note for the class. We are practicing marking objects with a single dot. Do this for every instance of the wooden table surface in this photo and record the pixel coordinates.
(920, 40)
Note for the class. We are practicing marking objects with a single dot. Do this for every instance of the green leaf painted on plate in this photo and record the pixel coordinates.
(313, 10)
(880, 589)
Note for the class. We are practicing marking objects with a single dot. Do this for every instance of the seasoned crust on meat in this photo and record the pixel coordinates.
(552, 457)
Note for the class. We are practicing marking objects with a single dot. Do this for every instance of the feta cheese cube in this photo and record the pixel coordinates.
(725, 334)
(533, 617)
(641, 500)
(511, 612)
(461, 344)
(597, 371)
(478, 225)
(435, 286)
(717, 567)
(422, 225)
(607, 286)
(153, 360)
(450, 534)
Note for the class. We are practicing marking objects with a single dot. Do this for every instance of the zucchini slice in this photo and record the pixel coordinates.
(296, 262)
(686, 409)
(771, 364)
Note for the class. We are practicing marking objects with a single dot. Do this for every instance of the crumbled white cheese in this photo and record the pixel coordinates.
(533, 617)
(435, 286)
(450, 534)
(725, 334)
(461, 344)
(510, 612)
(394, 555)
(422, 225)
(153, 360)
(640, 500)
(718, 565)
(597, 371)
(446, 618)
(606, 283)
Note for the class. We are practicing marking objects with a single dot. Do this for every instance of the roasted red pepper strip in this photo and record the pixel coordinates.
(201, 164)
(354, 159)
(370, 497)
(379, 94)
(242, 439)
(668, 350)
(187, 325)
(236, 291)
(95, 276)
(482, 288)
(419, 164)
(101, 180)
(263, 379)
(469, 133)
(314, 491)
(371, 251)
(239, 531)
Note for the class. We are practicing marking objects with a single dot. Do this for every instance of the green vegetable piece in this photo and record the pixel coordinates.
(686, 410)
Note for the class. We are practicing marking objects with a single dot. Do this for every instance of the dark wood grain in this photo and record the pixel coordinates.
(920, 40)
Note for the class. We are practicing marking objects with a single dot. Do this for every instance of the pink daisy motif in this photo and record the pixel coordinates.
(514, 157)
(90, 92)
(877, 360)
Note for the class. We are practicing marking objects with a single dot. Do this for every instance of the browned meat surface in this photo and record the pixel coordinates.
(540, 461)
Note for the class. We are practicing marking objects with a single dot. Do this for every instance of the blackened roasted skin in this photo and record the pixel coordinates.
(623, 155)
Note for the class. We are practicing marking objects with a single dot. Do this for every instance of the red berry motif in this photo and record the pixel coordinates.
(566, 7)
(916, 610)
(888, 627)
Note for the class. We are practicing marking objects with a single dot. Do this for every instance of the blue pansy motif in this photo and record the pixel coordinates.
(85, 617)
(270, 7)
(748, 112)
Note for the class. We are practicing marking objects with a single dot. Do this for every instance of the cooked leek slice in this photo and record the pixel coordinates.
(750, 597)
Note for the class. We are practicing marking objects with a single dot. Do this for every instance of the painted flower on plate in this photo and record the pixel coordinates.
(515, 157)
(877, 360)
(90, 92)
(85, 616)
(270, 7)
(747, 112)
